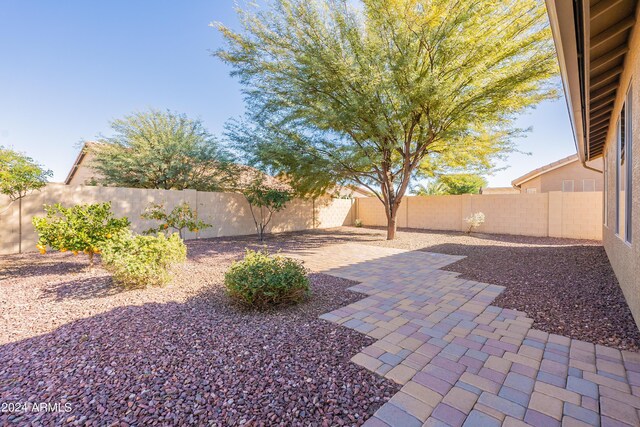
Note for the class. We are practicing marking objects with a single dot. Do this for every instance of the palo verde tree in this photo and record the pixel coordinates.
(19, 176)
(379, 92)
(156, 149)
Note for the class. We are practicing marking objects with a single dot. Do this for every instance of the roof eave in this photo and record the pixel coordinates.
(563, 27)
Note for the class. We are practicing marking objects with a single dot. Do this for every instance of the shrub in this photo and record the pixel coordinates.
(262, 280)
(138, 261)
(180, 218)
(81, 228)
(474, 221)
(358, 223)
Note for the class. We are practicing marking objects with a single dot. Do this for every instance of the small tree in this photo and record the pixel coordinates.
(19, 176)
(81, 228)
(180, 218)
(265, 200)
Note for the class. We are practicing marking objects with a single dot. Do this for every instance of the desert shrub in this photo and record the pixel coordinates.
(261, 280)
(358, 223)
(474, 221)
(138, 261)
(80, 228)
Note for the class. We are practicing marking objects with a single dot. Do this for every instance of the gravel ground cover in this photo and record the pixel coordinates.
(567, 286)
(183, 354)
(180, 354)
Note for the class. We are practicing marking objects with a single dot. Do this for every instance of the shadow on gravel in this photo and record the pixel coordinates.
(196, 362)
(23, 269)
(569, 290)
(293, 241)
(83, 289)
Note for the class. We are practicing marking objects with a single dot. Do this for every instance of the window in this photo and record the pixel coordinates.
(624, 172)
(567, 186)
(589, 185)
(605, 175)
(531, 191)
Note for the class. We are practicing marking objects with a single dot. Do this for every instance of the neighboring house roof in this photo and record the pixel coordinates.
(79, 159)
(351, 191)
(544, 169)
(592, 42)
(243, 177)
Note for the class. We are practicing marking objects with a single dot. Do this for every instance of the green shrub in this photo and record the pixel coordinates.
(262, 280)
(138, 261)
(80, 228)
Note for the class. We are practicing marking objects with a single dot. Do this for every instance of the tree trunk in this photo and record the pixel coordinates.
(392, 224)
(391, 228)
(20, 225)
(91, 261)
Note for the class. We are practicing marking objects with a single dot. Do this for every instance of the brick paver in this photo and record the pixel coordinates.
(462, 361)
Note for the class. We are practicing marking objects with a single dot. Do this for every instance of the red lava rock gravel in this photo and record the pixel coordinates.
(180, 354)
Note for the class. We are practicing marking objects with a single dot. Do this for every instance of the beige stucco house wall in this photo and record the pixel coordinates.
(598, 45)
(567, 175)
(81, 173)
(624, 256)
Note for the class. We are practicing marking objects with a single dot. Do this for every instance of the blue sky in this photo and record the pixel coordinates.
(69, 67)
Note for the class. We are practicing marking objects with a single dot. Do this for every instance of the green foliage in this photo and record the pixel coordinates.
(139, 261)
(262, 280)
(463, 183)
(81, 228)
(180, 218)
(20, 174)
(380, 92)
(431, 188)
(155, 149)
(265, 200)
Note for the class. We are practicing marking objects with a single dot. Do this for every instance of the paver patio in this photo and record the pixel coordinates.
(462, 361)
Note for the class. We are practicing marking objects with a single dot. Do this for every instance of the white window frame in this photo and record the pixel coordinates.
(624, 208)
(584, 185)
(566, 181)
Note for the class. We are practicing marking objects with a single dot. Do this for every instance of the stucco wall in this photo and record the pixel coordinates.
(625, 257)
(556, 214)
(552, 180)
(228, 213)
(84, 174)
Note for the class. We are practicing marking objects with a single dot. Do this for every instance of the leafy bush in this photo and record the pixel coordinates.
(138, 261)
(181, 217)
(262, 280)
(81, 228)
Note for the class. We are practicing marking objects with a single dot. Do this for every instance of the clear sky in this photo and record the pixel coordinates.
(69, 67)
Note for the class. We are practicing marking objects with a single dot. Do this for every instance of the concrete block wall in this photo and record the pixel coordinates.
(228, 213)
(556, 214)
